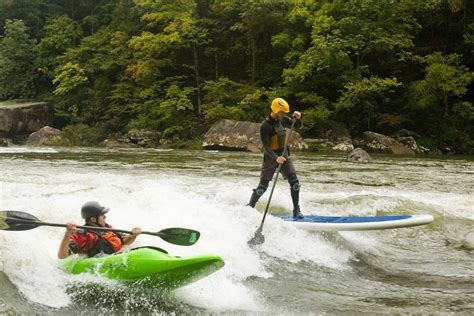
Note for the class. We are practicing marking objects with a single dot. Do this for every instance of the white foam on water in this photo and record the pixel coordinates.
(28, 262)
(26, 149)
(219, 293)
(153, 201)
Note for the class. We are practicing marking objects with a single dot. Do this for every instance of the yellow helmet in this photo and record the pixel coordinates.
(279, 104)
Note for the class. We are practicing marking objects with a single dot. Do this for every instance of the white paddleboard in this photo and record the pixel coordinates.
(353, 223)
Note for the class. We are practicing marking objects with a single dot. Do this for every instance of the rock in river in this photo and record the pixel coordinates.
(241, 135)
(374, 142)
(359, 155)
(45, 136)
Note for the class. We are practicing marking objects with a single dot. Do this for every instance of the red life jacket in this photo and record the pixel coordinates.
(85, 242)
(114, 240)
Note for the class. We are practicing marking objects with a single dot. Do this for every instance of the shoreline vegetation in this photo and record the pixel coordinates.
(173, 69)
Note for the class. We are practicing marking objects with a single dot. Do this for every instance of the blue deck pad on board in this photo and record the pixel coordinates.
(342, 219)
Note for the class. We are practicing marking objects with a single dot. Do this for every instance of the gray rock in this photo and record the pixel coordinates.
(114, 143)
(374, 142)
(359, 155)
(142, 137)
(46, 136)
(343, 146)
(411, 143)
(241, 135)
(468, 241)
(21, 117)
(3, 142)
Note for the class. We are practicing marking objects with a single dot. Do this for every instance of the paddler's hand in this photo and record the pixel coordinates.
(63, 251)
(296, 115)
(70, 229)
(136, 231)
(129, 239)
(281, 160)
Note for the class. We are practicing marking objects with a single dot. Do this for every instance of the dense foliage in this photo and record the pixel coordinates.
(178, 65)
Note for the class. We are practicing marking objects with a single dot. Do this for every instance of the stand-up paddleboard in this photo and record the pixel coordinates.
(352, 223)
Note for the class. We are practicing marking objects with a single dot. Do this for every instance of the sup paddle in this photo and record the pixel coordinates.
(259, 239)
(19, 221)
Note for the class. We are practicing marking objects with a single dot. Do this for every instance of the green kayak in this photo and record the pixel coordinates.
(147, 266)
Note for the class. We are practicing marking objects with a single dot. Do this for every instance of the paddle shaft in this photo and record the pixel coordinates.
(98, 228)
(285, 150)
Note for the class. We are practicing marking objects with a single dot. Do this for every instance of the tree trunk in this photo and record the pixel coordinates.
(73, 10)
(198, 85)
(368, 121)
(439, 133)
(253, 62)
(216, 65)
(92, 26)
(444, 111)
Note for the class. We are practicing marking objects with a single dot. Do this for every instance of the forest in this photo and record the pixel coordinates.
(177, 66)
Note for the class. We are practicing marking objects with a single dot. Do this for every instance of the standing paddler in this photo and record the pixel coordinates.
(273, 137)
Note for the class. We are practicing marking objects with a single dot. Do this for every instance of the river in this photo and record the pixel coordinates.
(423, 270)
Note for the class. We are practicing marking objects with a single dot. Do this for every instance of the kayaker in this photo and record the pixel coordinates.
(273, 136)
(91, 243)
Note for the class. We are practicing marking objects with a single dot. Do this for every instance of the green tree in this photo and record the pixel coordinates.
(69, 77)
(17, 73)
(228, 99)
(175, 26)
(349, 41)
(171, 114)
(364, 98)
(61, 33)
(445, 81)
(258, 22)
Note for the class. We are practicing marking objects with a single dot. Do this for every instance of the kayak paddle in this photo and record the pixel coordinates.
(18, 221)
(259, 239)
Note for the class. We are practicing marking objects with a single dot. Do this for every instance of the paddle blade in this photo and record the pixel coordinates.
(180, 236)
(258, 239)
(17, 221)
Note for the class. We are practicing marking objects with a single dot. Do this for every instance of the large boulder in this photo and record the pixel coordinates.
(241, 135)
(46, 136)
(359, 155)
(378, 143)
(21, 117)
